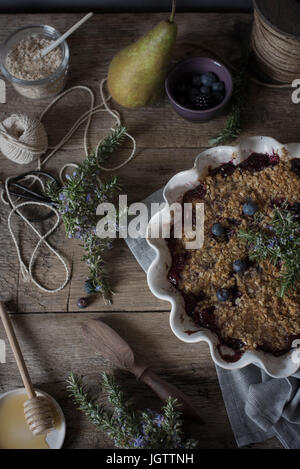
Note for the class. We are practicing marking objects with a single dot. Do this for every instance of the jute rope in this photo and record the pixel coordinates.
(27, 271)
(277, 55)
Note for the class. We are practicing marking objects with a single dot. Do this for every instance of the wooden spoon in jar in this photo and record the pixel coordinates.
(111, 346)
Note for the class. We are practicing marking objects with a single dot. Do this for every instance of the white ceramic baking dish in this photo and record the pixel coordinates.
(180, 322)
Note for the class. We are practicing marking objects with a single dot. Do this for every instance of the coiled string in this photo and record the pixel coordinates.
(27, 271)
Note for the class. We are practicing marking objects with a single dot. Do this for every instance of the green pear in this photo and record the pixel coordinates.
(136, 74)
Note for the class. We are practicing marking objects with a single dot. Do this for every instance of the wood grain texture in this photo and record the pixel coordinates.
(53, 345)
(166, 144)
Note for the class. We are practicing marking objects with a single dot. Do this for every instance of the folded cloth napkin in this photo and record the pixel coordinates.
(258, 406)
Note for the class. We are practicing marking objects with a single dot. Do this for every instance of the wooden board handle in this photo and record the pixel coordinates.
(164, 390)
(16, 350)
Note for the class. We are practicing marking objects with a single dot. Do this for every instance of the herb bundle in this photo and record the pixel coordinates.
(77, 202)
(280, 244)
(129, 429)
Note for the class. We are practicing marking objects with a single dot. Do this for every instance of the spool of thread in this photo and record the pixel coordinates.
(276, 39)
(22, 138)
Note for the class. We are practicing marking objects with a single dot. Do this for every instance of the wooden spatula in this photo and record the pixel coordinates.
(111, 346)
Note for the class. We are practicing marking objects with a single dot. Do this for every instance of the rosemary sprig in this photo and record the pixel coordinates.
(234, 122)
(127, 428)
(280, 243)
(77, 202)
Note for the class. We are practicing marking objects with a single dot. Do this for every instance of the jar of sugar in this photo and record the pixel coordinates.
(32, 75)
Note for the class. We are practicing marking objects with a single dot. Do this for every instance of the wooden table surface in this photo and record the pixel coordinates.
(49, 325)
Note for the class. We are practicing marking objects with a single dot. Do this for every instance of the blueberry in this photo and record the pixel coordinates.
(249, 208)
(218, 86)
(207, 79)
(218, 96)
(196, 80)
(82, 303)
(205, 90)
(88, 287)
(217, 229)
(239, 266)
(222, 294)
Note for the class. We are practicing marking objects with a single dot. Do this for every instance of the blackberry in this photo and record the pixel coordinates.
(203, 102)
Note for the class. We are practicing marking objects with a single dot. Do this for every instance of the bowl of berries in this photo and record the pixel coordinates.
(199, 88)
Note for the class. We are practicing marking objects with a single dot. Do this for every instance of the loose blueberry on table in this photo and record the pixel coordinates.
(82, 302)
(200, 92)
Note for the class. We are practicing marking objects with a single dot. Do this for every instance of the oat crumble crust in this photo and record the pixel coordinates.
(258, 318)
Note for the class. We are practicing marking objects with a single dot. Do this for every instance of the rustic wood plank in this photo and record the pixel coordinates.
(166, 145)
(93, 48)
(129, 280)
(53, 346)
(157, 134)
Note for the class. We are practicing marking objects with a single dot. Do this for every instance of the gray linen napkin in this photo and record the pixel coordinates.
(258, 406)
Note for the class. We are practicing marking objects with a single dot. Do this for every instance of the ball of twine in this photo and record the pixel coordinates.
(277, 54)
(22, 138)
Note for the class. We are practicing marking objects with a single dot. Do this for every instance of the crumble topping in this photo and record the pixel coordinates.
(254, 316)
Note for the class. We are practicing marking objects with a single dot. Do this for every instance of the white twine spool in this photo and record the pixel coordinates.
(22, 138)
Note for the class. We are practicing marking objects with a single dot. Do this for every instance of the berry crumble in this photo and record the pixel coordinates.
(243, 284)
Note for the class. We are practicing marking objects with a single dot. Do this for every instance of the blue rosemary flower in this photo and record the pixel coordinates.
(158, 420)
(271, 244)
(139, 442)
(126, 427)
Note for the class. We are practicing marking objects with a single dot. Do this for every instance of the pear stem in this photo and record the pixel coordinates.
(171, 19)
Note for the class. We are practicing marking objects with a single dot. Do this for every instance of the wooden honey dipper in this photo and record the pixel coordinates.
(37, 410)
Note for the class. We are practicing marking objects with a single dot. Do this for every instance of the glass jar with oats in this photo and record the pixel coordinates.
(32, 75)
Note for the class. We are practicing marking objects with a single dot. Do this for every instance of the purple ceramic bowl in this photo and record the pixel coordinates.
(198, 65)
